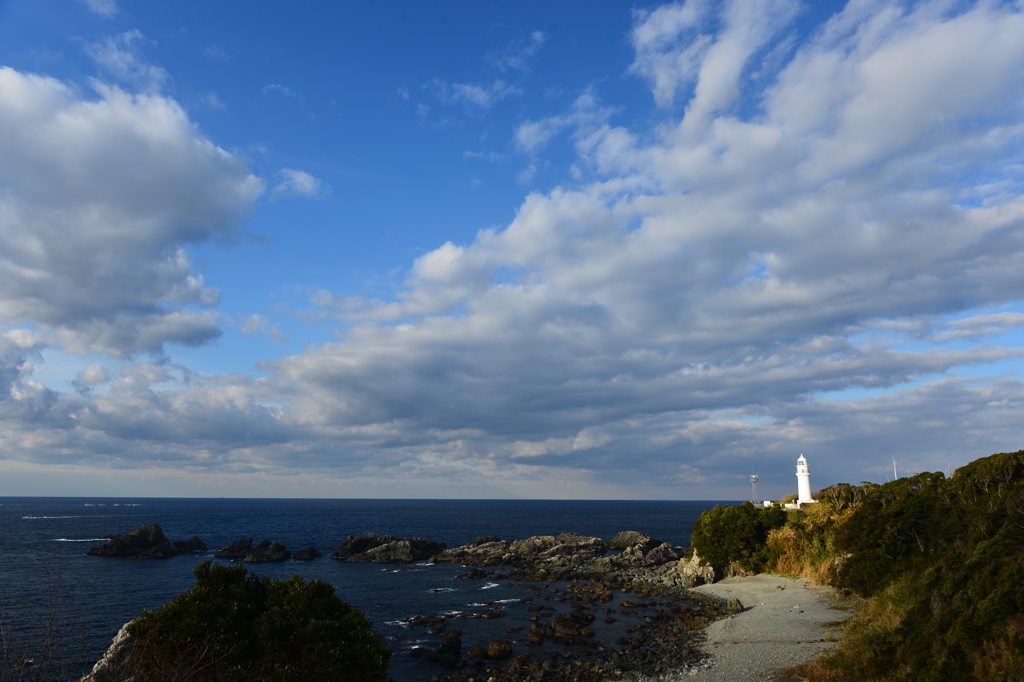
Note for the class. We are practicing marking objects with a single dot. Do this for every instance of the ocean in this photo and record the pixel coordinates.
(40, 535)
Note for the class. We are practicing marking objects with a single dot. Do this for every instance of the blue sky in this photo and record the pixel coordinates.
(505, 250)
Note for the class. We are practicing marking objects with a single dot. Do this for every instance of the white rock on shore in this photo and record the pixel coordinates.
(776, 629)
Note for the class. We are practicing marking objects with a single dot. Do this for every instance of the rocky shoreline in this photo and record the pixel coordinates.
(631, 573)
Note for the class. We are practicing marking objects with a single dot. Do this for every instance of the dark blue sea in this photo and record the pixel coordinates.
(53, 534)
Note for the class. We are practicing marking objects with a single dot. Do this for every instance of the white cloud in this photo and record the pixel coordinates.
(94, 374)
(105, 8)
(212, 101)
(278, 89)
(482, 95)
(726, 263)
(260, 324)
(525, 176)
(93, 250)
(979, 326)
(586, 117)
(517, 54)
(120, 58)
(654, 331)
(297, 183)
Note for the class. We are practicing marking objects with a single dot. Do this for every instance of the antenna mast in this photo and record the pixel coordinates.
(754, 499)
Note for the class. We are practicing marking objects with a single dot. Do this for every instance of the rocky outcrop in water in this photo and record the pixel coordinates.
(485, 550)
(570, 556)
(265, 552)
(236, 550)
(147, 541)
(307, 554)
(386, 549)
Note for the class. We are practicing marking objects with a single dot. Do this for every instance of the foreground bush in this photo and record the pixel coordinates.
(234, 625)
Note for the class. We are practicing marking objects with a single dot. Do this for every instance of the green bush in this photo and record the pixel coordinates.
(738, 533)
(234, 625)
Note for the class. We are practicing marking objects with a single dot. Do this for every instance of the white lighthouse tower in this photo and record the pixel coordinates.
(803, 481)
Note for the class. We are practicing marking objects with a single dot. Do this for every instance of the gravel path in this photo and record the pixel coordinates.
(777, 629)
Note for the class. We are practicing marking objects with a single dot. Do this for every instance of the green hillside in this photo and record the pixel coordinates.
(938, 561)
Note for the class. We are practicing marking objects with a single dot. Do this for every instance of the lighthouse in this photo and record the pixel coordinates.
(803, 481)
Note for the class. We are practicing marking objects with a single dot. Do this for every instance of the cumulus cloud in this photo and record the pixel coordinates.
(734, 263)
(586, 117)
(101, 197)
(691, 311)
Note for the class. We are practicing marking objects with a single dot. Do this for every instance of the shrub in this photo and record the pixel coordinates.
(234, 625)
(738, 533)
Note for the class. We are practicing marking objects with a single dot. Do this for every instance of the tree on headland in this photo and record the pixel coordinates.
(234, 625)
(739, 533)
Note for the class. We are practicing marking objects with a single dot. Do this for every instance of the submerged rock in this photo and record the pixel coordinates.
(307, 554)
(499, 650)
(575, 623)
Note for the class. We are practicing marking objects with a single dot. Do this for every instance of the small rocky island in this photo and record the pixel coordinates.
(386, 549)
(265, 552)
(148, 542)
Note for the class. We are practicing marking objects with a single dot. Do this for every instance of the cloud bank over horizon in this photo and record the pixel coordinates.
(813, 246)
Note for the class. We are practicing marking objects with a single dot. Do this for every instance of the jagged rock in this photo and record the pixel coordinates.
(169, 549)
(485, 550)
(663, 554)
(632, 538)
(734, 570)
(116, 664)
(132, 543)
(236, 550)
(149, 542)
(386, 548)
(267, 551)
(575, 544)
(499, 649)
(574, 623)
(307, 554)
(531, 547)
(734, 606)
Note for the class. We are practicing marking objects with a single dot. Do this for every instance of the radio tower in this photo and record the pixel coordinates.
(754, 499)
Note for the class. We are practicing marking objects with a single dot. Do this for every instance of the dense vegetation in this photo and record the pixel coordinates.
(234, 625)
(726, 534)
(939, 561)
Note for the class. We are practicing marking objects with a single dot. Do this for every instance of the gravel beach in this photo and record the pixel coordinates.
(778, 628)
